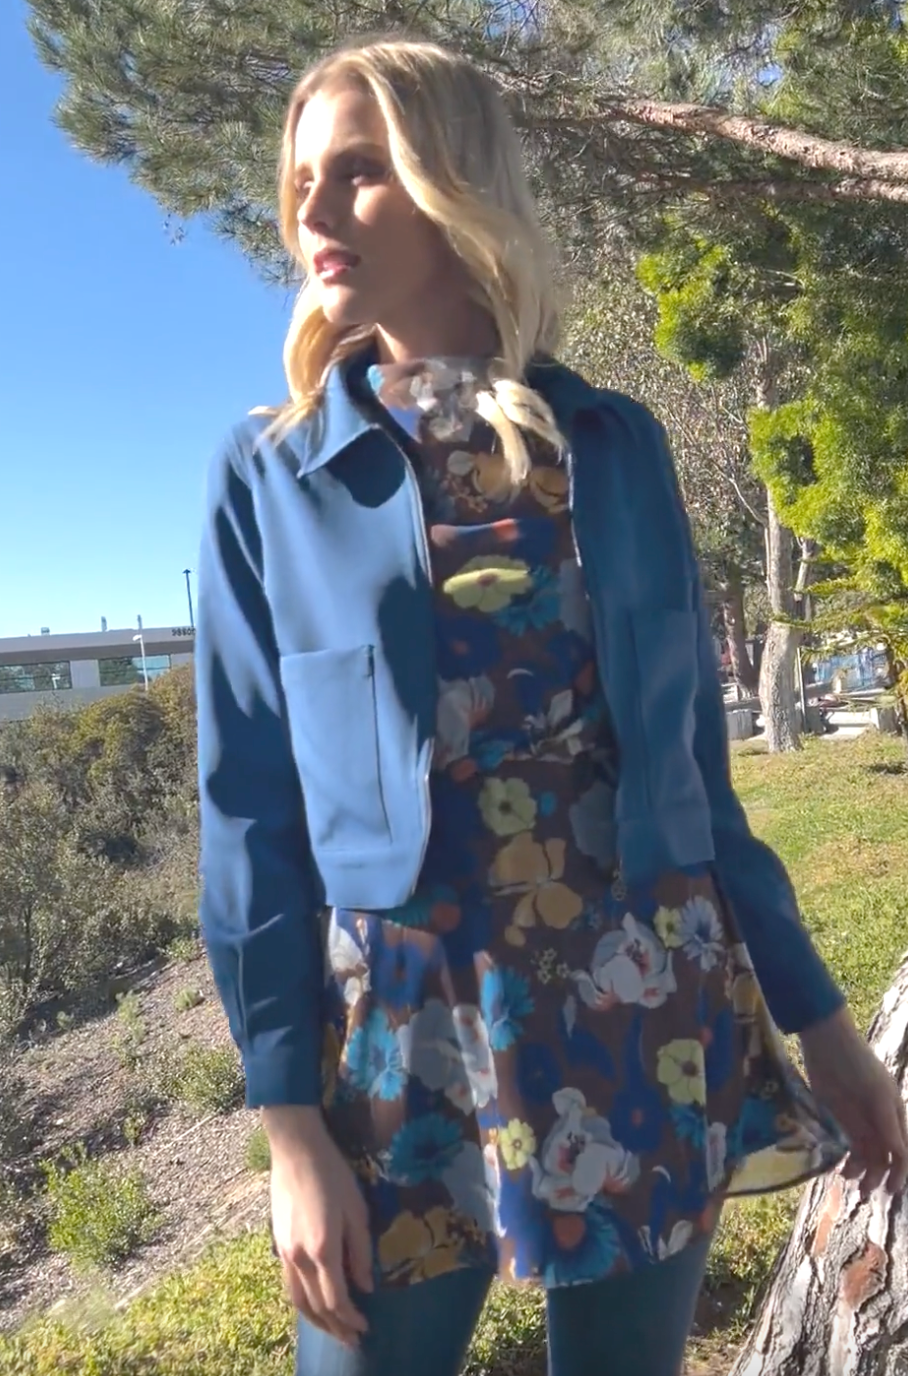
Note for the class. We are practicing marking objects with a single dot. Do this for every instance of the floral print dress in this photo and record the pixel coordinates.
(530, 1068)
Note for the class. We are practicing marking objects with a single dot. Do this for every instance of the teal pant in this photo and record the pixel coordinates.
(632, 1325)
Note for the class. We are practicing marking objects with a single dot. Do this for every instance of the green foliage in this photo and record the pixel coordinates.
(98, 841)
(15, 1127)
(99, 1216)
(258, 1151)
(184, 948)
(187, 998)
(701, 305)
(132, 1030)
(206, 1079)
(189, 100)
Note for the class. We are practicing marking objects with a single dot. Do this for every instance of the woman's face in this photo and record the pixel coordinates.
(378, 261)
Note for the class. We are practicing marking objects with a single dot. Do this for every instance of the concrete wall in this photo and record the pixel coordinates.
(15, 706)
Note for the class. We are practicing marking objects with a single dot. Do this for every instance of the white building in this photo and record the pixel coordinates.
(74, 669)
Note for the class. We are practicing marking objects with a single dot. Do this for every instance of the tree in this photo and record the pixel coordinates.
(722, 311)
(627, 106)
(837, 1301)
(609, 337)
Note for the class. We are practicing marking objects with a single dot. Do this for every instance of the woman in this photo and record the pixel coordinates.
(478, 895)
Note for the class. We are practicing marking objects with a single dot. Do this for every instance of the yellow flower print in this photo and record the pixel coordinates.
(488, 582)
(549, 486)
(667, 923)
(534, 870)
(517, 1143)
(487, 472)
(419, 1247)
(682, 1069)
(507, 806)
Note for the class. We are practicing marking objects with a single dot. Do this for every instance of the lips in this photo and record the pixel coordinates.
(330, 264)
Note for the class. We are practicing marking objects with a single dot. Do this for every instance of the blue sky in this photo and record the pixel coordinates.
(123, 361)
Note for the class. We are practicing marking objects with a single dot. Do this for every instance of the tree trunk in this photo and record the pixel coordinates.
(837, 1301)
(777, 666)
(732, 595)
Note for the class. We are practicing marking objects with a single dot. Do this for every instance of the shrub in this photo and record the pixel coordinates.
(205, 1079)
(15, 1129)
(188, 998)
(258, 1151)
(98, 1215)
(132, 1031)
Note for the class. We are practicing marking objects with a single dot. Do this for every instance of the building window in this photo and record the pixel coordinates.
(126, 669)
(35, 678)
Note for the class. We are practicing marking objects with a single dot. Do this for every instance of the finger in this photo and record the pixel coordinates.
(319, 1302)
(873, 1178)
(358, 1244)
(339, 1307)
(898, 1168)
(299, 1297)
(853, 1166)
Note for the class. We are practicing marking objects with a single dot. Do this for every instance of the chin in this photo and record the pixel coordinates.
(343, 308)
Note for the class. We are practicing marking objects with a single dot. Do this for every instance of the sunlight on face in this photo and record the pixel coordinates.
(377, 259)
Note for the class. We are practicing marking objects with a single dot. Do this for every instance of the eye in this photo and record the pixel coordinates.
(364, 171)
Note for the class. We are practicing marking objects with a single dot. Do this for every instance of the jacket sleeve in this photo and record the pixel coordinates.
(799, 989)
(259, 906)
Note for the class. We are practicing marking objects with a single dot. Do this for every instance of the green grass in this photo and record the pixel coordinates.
(838, 815)
(98, 1216)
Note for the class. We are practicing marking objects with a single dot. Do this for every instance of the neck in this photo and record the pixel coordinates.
(460, 328)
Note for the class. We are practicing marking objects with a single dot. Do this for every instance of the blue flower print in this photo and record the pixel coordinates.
(534, 611)
(374, 1062)
(465, 645)
(754, 1129)
(574, 609)
(472, 1180)
(491, 751)
(423, 1149)
(416, 912)
(399, 967)
(539, 1072)
(592, 820)
(583, 1246)
(721, 1049)
(702, 938)
(529, 538)
(689, 1122)
(506, 1001)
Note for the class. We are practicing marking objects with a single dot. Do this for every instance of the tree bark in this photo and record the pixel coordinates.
(837, 1301)
(777, 665)
(732, 595)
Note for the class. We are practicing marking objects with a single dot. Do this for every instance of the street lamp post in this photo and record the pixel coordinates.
(141, 639)
(186, 573)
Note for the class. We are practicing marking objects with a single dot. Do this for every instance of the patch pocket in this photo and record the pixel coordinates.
(331, 708)
(666, 654)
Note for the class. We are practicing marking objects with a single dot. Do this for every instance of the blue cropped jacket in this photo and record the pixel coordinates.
(317, 695)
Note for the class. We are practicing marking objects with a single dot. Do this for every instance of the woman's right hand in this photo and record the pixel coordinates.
(319, 1221)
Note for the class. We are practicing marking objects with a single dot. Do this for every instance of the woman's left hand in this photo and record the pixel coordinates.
(856, 1088)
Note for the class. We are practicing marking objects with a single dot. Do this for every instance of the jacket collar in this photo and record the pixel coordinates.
(342, 419)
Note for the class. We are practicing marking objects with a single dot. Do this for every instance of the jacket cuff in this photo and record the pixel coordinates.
(282, 1076)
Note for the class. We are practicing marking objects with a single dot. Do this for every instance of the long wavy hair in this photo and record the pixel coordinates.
(456, 153)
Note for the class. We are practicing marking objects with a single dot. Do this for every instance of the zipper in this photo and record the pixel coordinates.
(619, 886)
(569, 464)
(416, 497)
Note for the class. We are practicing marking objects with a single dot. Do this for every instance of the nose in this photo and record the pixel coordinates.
(318, 211)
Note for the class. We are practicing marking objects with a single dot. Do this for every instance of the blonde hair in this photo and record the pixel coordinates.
(456, 153)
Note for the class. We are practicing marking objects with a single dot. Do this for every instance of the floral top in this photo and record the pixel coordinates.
(530, 1068)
